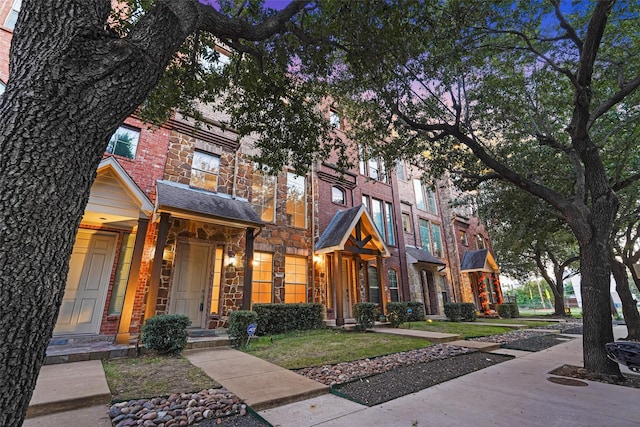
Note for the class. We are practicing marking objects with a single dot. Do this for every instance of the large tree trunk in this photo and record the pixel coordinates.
(558, 294)
(71, 85)
(629, 308)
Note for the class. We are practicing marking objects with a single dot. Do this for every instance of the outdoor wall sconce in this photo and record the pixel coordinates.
(232, 257)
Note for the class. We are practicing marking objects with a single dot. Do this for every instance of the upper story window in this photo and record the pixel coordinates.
(263, 195)
(338, 195)
(401, 172)
(406, 222)
(215, 59)
(124, 142)
(463, 238)
(425, 197)
(12, 17)
(382, 215)
(480, 241)
(372, 167)
(334, 119)
(205, 168)
(431, 238)
(296, 206)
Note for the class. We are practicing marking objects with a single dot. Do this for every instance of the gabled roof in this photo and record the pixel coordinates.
(183, 201)
(352, 230)
(416, 255)
(480, 260)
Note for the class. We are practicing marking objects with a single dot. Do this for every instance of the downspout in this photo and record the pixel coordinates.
(313, 233)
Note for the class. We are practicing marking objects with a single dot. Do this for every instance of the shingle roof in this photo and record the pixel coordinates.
(339, 226)
(421, 255)
(478, 260)
(178, 198)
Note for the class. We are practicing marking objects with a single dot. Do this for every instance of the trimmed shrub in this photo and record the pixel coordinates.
(238, 323)
(396, 313)
(366, 314)
(279, 318)
(508, 310)
(166, 333)
(457, 311)
(417, 311)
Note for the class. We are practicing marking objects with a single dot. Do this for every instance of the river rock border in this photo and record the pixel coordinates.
(177, 410)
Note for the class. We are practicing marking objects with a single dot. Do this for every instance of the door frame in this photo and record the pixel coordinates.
(207, 287)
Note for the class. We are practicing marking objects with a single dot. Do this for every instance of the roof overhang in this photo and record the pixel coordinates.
(480, 260)
(184, 202)
(420, 256)
(353, 230)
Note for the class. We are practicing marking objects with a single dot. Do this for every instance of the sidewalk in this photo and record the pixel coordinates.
(516, 392)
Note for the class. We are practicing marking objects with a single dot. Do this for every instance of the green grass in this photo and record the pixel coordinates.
(153, 376)
(516, 321)
(302, 349)
(466, 330)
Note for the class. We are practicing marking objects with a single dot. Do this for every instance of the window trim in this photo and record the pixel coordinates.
(254, 281)
(204, 171)
(397, 284)
(288, 218)
(261, 208)
(335, 119)
(287, 281)
(128, 129)
(342, 192)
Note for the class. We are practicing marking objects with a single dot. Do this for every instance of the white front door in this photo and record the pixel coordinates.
(87, 283)
(190, 279)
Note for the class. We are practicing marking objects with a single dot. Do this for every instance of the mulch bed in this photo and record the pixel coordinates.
(574, 331)
(536, 343)
(390, 385)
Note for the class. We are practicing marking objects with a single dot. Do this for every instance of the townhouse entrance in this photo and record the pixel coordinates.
(191, 278)
(349, 295)
(87, 283)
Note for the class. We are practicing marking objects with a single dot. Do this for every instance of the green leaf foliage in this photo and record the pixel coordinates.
(166, 333)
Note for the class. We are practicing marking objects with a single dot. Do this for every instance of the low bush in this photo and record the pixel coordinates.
(366, 314)
(508, 310)
(460, 311)
(396, 313)
(417, 311)
(238, 323)
(166, 333)
(279, 318)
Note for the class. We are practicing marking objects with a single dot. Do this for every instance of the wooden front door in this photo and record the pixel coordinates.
(190, 279)
(87, 283)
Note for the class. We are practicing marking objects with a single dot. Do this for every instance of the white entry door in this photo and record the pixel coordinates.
(87, 283)
(190, 279)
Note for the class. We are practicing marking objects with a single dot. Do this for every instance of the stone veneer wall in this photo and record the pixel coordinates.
(232, 279)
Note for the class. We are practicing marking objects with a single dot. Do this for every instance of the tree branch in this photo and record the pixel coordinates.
(624, 91)
(571, 32)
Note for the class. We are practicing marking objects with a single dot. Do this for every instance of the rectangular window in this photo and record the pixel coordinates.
(374, 286)
(463, 238)
(406, 222)
(362, 160)
(122, 274)
(431, 200)
(12, 17)
(365, 202)
(204, 171)
(393, 286)
(334, 119)
(437, 240)
(420, 200)
(372, 167)
(480, 241)
(262, 285)
(425, 238)
(376, 215)
(388, 218)
(400, 170)
(338, 196)
(124, 142)
(217, 282)
(263, 195)
(296, 197)
(295, 279)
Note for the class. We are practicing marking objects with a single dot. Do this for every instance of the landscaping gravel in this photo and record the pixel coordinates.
(399, 382)
(536, 343)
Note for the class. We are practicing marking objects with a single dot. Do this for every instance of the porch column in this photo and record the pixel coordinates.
(248, 270)
(123, 335)
(339, 286)
(154, 282)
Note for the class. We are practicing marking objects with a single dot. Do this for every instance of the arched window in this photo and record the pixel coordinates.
(393, 285)
(338, 195)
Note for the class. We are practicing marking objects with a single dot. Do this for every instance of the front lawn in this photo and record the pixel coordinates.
(466, 330)
(301, 349)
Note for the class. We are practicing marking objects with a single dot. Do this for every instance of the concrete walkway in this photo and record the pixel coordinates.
(259, 383)
(513, 393)
(516, 392)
